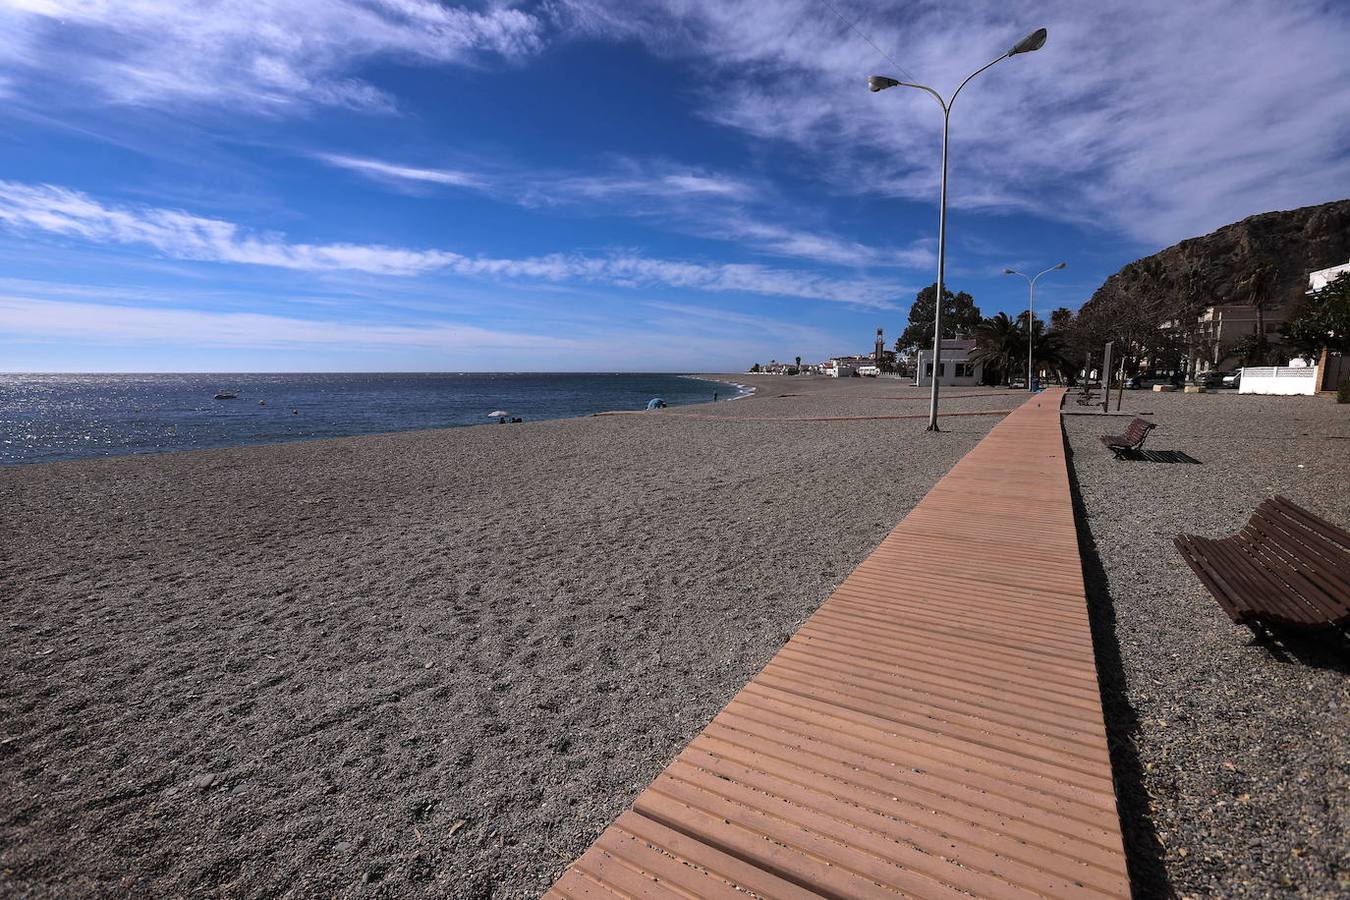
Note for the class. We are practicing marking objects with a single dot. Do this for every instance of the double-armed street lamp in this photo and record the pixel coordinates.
(1031, 310)
(1033, 41)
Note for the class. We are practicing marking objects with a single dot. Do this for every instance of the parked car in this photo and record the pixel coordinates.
(1146, 380)
(1233, 380)
(1214, 378)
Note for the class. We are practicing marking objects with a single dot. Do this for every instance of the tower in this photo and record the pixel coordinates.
(879, 350)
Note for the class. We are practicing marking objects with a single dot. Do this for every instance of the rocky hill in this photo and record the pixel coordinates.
(1269, 255)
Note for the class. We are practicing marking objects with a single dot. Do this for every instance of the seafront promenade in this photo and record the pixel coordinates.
(934, 729)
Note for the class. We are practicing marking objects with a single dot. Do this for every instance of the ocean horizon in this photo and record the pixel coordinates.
(50, 417)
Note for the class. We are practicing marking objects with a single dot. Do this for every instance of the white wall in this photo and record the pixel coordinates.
(1283, 380)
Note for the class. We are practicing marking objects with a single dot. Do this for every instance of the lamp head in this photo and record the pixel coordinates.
(1033, 41)
(1062, 265)
(1009, 272)
(880, 83)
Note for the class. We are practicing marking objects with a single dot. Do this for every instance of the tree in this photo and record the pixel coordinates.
(999, 343)
(1253, 350)
(1323, 322)
(1257, 283)
(960, 315)
(1049, 351)
(1061, 319)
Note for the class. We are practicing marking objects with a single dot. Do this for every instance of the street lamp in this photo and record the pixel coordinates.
(1033, 41)
(1031, 309)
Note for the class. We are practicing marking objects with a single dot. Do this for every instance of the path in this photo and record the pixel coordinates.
(933, 730)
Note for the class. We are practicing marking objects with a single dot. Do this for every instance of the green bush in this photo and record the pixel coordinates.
(1343, 391)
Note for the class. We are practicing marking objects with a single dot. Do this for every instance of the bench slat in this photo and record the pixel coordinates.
(1336, 535)
(1285, 566)
(1261, 594)
(1308, 556)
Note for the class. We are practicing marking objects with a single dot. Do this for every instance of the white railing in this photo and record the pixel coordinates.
(1284, 380)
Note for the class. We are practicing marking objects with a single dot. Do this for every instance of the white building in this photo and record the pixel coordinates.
(1323, 277)
(954, 368)
(1222, 327)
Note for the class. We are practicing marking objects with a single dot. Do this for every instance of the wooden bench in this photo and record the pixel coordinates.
(1131, 440)
(1286, 567)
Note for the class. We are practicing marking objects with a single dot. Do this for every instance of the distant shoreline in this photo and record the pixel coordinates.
(742, 390)
(58, 418)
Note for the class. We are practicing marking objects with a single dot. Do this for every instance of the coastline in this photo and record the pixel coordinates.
(742, 390)
(52, 418)
(440, 661)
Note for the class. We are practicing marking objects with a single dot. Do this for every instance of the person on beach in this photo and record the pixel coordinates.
(714, 396)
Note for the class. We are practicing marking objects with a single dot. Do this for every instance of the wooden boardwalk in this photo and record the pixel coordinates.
(933, 730)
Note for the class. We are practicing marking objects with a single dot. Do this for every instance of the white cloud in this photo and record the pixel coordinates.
(386, 171)
(665, 182)
(28, 208)
(108, 323)
(631, 180)
(706, 203)
(676, 338)
(783, 240)
(259, 54)
(1155, 118)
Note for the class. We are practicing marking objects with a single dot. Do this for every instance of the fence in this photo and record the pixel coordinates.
(1278, 380)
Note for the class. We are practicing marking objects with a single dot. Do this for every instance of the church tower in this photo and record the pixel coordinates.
(879, 351)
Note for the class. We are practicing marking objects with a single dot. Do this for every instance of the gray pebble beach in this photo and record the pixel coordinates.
(438, 663)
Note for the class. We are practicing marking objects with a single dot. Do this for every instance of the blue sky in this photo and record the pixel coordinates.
(294, 185)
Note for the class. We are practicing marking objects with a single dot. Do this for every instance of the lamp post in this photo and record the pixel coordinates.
(1031, 310)
(1033, 41)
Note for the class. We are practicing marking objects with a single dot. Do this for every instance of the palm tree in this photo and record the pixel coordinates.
(999, 343)
(1258, 284)
(1049, 350)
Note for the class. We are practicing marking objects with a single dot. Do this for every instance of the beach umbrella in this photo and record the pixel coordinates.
(498, 414)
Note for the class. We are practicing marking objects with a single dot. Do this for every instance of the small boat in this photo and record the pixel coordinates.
(227, 395)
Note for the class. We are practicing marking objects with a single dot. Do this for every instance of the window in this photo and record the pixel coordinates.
(964, 370)
(928, 370)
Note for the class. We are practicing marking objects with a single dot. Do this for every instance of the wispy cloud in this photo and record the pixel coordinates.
(625, 180)
(257, 54)
(784, 240)
(703, 202)
(691, 338)
(112, 323)
(395, 173)
(1157, 119)
(177, 234)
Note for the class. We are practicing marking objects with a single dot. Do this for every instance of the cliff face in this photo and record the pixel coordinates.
(1271, 253)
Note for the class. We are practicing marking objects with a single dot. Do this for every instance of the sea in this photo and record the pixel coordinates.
(45, 418)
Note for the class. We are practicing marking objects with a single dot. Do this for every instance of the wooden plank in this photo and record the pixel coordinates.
(934, 730)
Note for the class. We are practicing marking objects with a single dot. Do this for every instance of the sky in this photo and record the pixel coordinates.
(635, 185)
